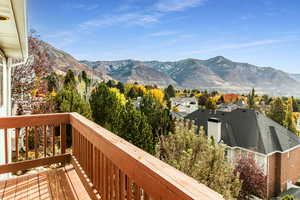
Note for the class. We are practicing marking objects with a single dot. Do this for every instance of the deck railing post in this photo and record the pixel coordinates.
(63, 138)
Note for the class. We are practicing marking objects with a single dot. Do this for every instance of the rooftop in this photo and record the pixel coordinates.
(249, 129)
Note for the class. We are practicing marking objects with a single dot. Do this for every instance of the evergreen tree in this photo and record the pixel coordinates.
(171, 91)
(295, 105)
(136, 129)
(159, 117)
(87, 81)
(110, 83)
(221, 100)
(70, 79)
(251, 99)
(277, 111)
(121, 87)
(289, 121)
(52, 80)
(132, 93)
(106, 108)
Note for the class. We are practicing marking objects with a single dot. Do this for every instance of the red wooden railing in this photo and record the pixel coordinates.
(108, 166)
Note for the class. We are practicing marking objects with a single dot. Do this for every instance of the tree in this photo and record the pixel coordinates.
(200, 158)
(277, 111)
(70, 79)
(87, 82)
(159, 117)
(158, 95)
(266, 99)
(132, 93)
(211, 104)
(121, 87)
(288, 197)
(136, 129)
(171, 91)
(289, 121)
(110, 83)
(254, 181)
(69, 100)
(251, 99)
(202, 100)
(53, 82)
(107, 107)
(295, 105)
(221, 100)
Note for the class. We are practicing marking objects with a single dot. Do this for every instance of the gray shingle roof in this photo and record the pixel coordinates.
(249, 129)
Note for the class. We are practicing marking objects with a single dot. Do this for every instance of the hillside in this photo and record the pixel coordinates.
(60, 61)
(216, 73)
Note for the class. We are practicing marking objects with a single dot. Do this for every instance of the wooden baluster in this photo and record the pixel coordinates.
(117, 183)
(45, 140)
(122, 186)
(137, 192)
(73, 142)
(53, 140)
(129, 189)
(36, 141)
(95, 177)
(26, 142)
(112, 189)
(6, 145)
(146, 196)
(63, 138)
(105, 181)
(101, 174)
(17, 132)
(91, 161)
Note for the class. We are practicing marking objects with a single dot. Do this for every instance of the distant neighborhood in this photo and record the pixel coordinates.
(248, 131)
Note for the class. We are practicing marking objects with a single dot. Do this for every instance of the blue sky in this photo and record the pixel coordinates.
(261, 32)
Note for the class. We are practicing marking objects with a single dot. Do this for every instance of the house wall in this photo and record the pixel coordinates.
(283, 167)
(233, 154)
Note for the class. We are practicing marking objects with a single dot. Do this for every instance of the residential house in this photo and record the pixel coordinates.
(185, 104)
(228, 107)
(248, 132)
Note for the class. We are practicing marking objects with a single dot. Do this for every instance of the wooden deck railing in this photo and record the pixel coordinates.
(108, 166)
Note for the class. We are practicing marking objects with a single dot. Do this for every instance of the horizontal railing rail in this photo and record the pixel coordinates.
(117, 169)
(40, 130)
(109, 166)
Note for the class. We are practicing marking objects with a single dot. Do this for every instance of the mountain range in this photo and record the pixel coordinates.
(218, 73)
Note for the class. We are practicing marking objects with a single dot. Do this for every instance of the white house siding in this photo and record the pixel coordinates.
(233, 154)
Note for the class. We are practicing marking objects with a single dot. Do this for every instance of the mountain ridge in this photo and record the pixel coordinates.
(217, 73)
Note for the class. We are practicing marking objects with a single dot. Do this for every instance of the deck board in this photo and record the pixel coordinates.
(62, 183)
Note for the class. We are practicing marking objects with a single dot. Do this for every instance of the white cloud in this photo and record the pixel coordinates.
(122, 19)
(177, 5)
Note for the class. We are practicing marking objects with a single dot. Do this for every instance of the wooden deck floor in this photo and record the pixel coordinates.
(62, 183)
